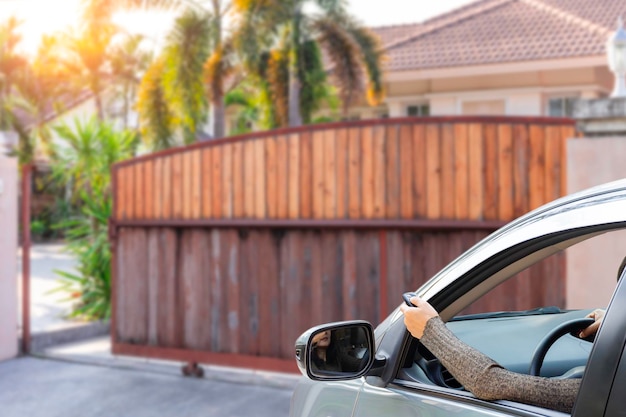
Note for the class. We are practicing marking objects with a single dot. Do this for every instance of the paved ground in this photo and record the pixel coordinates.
(84, 379)
(48, 310)
(49, 388)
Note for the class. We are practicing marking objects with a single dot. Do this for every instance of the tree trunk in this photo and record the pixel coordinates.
(218, 119)
(295, 118)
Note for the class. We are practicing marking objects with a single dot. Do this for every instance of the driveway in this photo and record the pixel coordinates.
(49, 388)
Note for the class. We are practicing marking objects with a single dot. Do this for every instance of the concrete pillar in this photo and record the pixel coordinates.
(596, 158)
(8, 257)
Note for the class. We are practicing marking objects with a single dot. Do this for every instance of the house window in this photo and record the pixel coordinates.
(561, 106)
(418, 110)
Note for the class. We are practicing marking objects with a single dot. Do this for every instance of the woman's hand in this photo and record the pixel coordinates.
(415, 318)
(597, 315)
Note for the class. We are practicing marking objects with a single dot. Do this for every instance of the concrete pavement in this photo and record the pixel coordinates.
(42, 387)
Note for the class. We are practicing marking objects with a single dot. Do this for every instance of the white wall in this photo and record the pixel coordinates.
(8, 257)
(443, 106)
(529, 104)
(593, 161)
(514, 103)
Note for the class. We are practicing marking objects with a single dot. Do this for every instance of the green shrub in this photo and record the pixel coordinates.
(85, 163)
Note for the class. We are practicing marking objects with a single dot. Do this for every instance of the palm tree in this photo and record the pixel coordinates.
(156, 121)
(15, 78)
(289, 30)
(128, 64)
(199, 28)
(185, 53)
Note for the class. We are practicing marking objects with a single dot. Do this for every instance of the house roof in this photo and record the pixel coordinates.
(502, 31)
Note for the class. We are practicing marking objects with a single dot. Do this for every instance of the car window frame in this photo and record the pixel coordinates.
(482, 273)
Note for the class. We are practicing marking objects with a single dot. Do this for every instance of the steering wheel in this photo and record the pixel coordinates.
(548, 340)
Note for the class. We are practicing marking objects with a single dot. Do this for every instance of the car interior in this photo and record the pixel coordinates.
(540, 340)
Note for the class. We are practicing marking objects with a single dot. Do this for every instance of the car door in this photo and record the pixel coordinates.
(604, 383)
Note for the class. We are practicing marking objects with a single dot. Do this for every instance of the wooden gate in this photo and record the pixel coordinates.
(225, 251)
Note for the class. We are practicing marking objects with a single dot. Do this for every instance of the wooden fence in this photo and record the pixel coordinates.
(225, 251)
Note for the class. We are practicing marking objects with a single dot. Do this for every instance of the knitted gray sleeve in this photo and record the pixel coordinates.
(487, 380)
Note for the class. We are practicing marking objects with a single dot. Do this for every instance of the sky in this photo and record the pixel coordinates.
(47, 16)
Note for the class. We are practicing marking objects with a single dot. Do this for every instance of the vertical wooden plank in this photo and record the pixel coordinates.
(461, 172)
(163, 305)
(248, 286)
(164, 268)
(167, 187)
(133, 290)
(238, 187)
(420, 200)
(354, 173)
(433, 172)
(217, 182)
(293, 176)
(505, 173)
(282, 171)
(332, 286)
(248, 178)
(447, 171)
(341, 162)
(368, 275)
(521, 155)
(187, 173)
(269, 296)
(218, 297)
(330, 175)
(120, 193)
(378, 155)
(158, 188)
(318, 174)
(567, 132)
(233, 299)
(314, 245)
(392, 173)
(260, 211)
(139, 190)
(177, 186)
(367, 172)
(306, 175)
(227, 180)
(196, 184)
(406, 171)
(271, 162)
(304, 258)
(537, 167)
(350, 287)
(554, 170)
(198, 321)
(129, 200)
(149, 189)
(491, 161)
(476, 177)
(207, 182)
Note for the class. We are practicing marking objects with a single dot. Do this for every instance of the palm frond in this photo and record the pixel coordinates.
(373, 57)
(343, 52)
(156, 120)
(187, 49)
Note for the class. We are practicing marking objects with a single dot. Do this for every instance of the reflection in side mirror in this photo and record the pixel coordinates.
(340, 351)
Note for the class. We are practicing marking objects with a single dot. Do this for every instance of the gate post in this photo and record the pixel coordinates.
(8, 257)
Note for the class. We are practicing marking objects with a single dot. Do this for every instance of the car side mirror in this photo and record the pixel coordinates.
(336, 351)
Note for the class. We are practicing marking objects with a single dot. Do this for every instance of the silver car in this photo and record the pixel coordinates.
(386, 372)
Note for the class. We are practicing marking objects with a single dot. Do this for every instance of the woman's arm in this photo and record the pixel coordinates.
(478, 373)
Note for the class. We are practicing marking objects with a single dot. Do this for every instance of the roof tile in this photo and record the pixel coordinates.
(499, 31)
